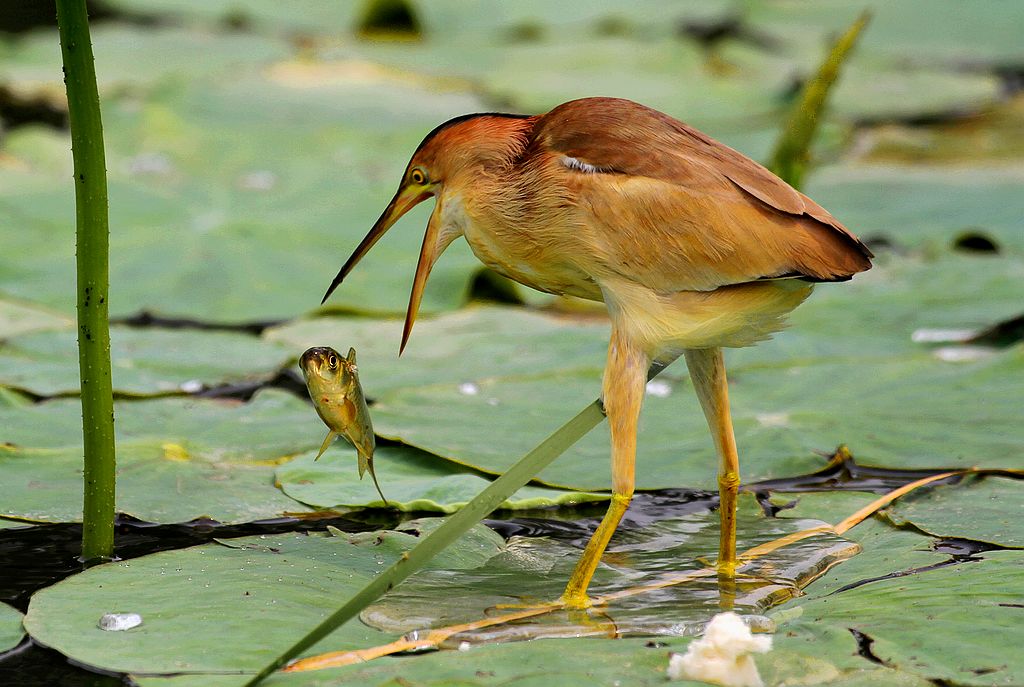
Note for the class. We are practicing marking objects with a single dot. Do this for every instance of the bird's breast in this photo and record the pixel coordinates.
(536, 255)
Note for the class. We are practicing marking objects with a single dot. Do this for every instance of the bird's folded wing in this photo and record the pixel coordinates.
(676, 210)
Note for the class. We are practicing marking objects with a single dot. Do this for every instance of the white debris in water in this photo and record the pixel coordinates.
(157, 164)
(118, 622)
(469, 389)
(723, 655)
(192, 386)
(659, 388)
(941, 335)
(493, 402)
(962, 354)
(261, 180)
(772, 419)
(465, 646)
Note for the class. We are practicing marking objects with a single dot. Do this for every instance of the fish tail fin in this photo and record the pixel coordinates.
(327, 442)
(369, 465)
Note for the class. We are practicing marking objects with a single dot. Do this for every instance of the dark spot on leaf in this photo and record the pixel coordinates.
(413, 531)
(1001, 334)
(864, 643)
(974, 241)
(772, 509)
(389, 17)
(880, 244)
(655, 645)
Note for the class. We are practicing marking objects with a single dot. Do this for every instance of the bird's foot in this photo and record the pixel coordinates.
(576, 601)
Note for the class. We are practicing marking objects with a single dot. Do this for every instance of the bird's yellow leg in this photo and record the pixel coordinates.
(707, 372)
(623, 392)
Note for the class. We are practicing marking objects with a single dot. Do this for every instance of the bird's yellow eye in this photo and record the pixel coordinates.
(418, 177)
(332, 361)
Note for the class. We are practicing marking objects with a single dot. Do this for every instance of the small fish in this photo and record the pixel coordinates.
(333, 384)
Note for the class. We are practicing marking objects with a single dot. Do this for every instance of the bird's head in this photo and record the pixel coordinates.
(453, 160)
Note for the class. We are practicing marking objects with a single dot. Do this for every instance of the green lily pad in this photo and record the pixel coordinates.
(923, 207)
(412, 480)
(217, 608)
(144, 361)
(463, 347)
(186, 180)
(527, 664)
(916, 624)
(942, 32)
(18, 318)
(986, 510)
(902, 415)
(11, 630)
(178, 458)
(35, 60)
(876, 317)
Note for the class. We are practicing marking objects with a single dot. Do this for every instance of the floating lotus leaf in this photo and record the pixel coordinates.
(924, 207)
(185, 181)
(11, 630)
(412, 480)
(944, 32)
(986, 510)
(35, 60)
(144, 361)
(459, 348)
(929, 623)
(18, 318)
(917, 412)
(178, 458)
(226, 607)
(527, 664)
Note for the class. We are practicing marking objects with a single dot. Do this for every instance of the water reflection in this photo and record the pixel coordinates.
(533, 570)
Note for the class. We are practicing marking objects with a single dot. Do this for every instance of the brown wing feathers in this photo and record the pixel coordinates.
(626, 138)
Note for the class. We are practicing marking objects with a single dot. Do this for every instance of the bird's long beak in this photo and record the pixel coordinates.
(434, 242)
(405, 199)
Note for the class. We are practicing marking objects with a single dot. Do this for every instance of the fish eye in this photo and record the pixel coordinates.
(418, 176)
(332, 360)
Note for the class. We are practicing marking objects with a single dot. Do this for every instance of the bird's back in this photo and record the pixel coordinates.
(667, 207)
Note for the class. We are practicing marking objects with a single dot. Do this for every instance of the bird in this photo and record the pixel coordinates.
(691, 246)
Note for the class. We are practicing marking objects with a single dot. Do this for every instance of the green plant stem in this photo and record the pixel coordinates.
(789, 160)
(93, 280)
(453, 528)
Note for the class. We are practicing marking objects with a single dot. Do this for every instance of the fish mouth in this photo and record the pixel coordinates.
(313, 359)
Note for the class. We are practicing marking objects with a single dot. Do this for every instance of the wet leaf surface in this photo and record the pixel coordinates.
(915, 627)
(986, 510)
(533, 570)
(217, 608)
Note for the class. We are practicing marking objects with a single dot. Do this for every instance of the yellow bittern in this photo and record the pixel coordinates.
(691, 246)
